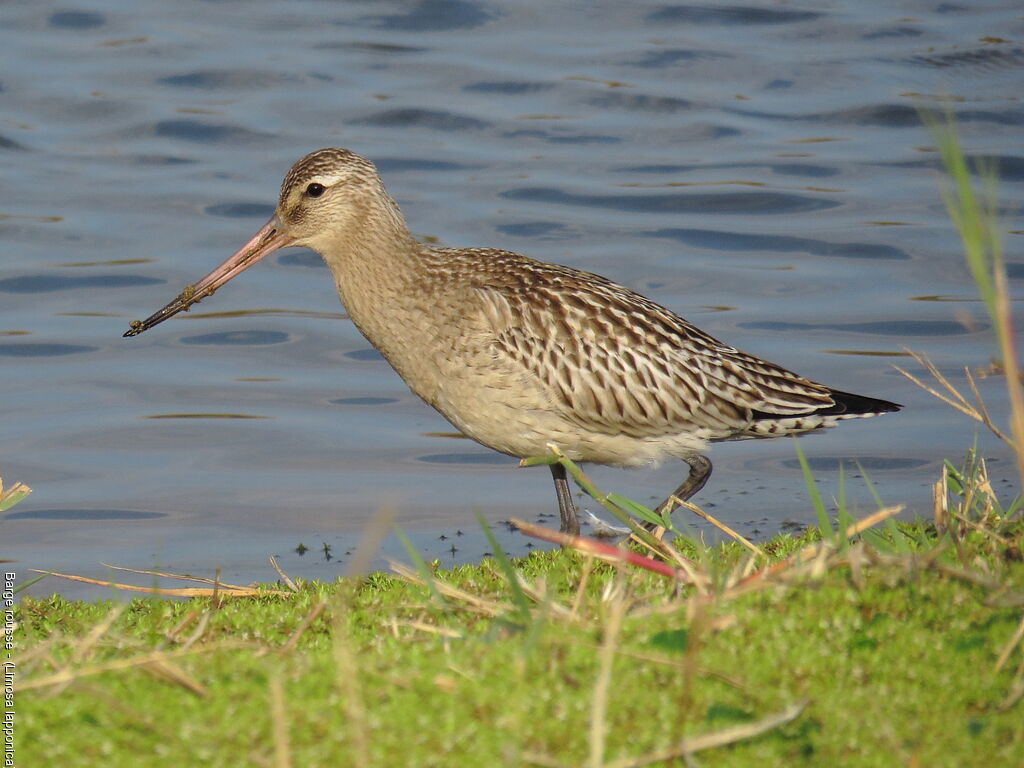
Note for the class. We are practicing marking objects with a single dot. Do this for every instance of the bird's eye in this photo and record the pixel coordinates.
(314, 190)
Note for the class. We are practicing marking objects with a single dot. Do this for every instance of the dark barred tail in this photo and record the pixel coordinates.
(846, 405)
(857, 405)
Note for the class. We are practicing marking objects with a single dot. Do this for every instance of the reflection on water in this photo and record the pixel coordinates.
(51, 283)
(238, 338)
(84, 514)
(868, 463)
(365, 400)
(758, 169)
(467, 458)
(881, 328)
(733, 203)
(29, 349)
(733, 241)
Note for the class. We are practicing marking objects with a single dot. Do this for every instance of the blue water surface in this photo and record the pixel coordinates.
(761, 169)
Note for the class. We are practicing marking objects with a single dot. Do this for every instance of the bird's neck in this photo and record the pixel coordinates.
(377, 269)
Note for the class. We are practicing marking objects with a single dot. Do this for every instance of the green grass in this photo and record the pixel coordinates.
(895, 655)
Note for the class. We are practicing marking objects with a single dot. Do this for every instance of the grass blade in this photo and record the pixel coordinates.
(30, 582)
(426, 575)
(522, 603)
(824, 525)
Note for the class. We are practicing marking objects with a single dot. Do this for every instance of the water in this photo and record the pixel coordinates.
(759, 169)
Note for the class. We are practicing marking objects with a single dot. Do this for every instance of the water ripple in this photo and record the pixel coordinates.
(668, 57)
(642, 102)
(364, 355)
(803, 170)
(882, 328)
(538, 229)
(402, 164)
(724, 202)
(434, 119)
(507, 87)
(562, 136)
(43, 350)
(206, 133)
(490, 458)
(219, 79)
(84, 514)
(240, 210)
(728, 15)
(238, 338)
(980, 60)
(434, 16)
(736, 241)
(364, 400)
(869, 463)
(76, 20)
(51, 283)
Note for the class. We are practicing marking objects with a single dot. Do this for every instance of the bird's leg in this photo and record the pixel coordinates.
(700, 471)
(566, 509)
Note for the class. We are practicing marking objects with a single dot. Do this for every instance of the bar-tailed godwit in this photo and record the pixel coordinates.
(518, 353)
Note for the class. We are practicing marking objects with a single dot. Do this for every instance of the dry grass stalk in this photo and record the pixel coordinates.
(348, 676)
(479, 604)
(664, 659)
(218, 589)
(719, 525)
(174, 633)
(940, 502)
(686, 748)
(975, 215)
(599, 701)
(278, 723)
(348, 680)
(1011, 365)
(1016, 692)
(711, 740)
(172, 673)
(581, 588)
(814, 557)
(540, 596)
(994, 586)
(312, 616)
(199, 631)
(1014, 641)
(953, 397)
(432, 629)
(692, 573)
(599, 549)
(85, 649)
(283, 576)
(68, 675)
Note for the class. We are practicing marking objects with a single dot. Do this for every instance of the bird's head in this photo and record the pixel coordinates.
(329, 197)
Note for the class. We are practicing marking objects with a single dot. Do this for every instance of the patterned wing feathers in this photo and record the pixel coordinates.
(616, 362)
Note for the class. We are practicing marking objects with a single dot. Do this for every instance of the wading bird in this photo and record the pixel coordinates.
(518, 353)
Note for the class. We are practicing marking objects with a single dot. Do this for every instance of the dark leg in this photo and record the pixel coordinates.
(700, 471)
(566, 509)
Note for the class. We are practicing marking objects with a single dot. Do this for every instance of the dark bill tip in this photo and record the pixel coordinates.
(264, 242)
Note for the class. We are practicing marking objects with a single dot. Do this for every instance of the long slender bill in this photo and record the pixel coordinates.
(269, 239)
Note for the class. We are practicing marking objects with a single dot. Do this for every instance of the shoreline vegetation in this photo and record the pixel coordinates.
(870, 642)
